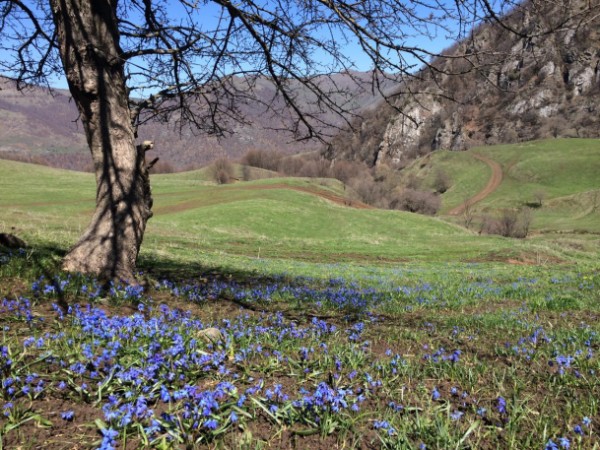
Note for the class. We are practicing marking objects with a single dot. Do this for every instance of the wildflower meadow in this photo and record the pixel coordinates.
(430, 356)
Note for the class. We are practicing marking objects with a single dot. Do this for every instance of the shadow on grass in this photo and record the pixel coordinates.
(45, 260)
(159, 268)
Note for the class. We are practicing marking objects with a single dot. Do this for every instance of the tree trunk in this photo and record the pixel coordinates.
(88, 36)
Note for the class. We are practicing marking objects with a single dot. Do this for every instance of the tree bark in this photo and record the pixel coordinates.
(88, 36)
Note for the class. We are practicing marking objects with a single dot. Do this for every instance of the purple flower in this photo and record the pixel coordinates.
(501, 405)
(67, 415)
(211, 424)
(108, 439)
(6, 408)
(456, 415)
(587, 421)
(435, 394)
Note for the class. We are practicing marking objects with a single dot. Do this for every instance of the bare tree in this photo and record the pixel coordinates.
(130, 61)
(468, 213)
(539, 197)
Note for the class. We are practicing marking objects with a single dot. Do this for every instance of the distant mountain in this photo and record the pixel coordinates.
(520, 88)
(42, 126)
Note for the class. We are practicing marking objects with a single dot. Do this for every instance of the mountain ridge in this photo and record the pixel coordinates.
(525, 87)
(42, 126)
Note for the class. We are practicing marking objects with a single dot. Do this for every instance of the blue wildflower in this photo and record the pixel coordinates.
(564, 443)
(501, 405)
(67, 415)
(587, 421)
(211, 424)
(456, 415)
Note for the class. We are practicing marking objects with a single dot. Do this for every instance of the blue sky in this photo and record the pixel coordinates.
(209, 17)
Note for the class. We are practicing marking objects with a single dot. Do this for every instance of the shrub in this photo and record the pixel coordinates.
(369, 191)
(291, 166)
(442, 182)
(416, 201)
(315, 168)
(347, 170)
(262, 159)
(507, 223)
(511, 223)
(222, 171)
(468, 213)
(162, 167)
(539, 197)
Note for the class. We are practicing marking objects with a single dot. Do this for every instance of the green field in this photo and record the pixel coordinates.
(336, 327)
(565, 172)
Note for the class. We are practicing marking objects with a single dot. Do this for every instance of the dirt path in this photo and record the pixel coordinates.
(208, 201)
(493, 184)
(319, 193)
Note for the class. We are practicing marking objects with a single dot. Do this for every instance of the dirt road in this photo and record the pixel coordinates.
(493, 184)
(207, 201)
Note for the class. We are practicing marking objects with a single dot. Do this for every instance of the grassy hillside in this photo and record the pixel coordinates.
(275, 316)
(565, 173)
(289, 218)
(267, 218)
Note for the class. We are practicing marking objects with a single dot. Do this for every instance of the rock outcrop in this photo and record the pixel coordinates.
(518, 87)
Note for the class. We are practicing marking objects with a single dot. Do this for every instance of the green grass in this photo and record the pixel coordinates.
(467, 175)
(268, 219)
(448, 355)
(283, 223)
(255, 219)
(559, 167)
(565, 171)
(381, 309)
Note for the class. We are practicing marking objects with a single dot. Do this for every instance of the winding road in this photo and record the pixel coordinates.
(493, 184)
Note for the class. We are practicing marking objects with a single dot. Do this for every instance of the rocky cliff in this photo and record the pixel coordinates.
(538, 79)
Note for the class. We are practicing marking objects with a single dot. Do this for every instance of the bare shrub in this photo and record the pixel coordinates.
(539, 197)
(347, 170)
(508, 223)
(246, 173)
(467, 213)
(421, 202)
(514, 223)
(291, 166)
(525, 219)
(489, 225)
(262, 159)
(413, 182)
(441, 182)
(162, 167)
(222, 171)
(31, 159)
(315, 168)
(369, 191)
